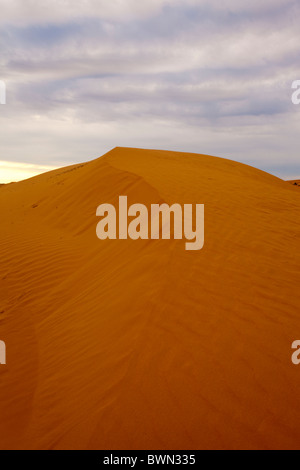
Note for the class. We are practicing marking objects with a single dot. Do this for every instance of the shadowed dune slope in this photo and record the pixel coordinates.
(140, 344)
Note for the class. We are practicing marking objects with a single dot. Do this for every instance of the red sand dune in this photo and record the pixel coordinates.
(140, 344)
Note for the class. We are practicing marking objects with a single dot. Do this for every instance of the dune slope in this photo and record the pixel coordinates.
(140, 344)
(295, 182)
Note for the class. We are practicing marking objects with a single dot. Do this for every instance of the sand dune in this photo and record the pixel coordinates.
(140, 344)
(295, 182)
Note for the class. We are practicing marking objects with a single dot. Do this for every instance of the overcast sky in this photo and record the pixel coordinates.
(201, 76)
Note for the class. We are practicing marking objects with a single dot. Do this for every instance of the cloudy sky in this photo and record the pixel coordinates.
(203, 76)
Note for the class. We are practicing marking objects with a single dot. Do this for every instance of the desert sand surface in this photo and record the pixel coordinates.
(124, 344)
(295, 182)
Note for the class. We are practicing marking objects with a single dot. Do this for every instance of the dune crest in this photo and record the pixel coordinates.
(123, 344)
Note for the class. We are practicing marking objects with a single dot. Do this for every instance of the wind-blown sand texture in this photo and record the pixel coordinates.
(124, 344)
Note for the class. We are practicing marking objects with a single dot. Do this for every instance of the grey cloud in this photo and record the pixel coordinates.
(203, 76)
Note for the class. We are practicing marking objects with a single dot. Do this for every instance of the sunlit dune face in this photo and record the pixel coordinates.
(14, 171)
(121, 343)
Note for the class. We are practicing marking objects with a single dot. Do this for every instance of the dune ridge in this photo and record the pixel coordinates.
(129, 344)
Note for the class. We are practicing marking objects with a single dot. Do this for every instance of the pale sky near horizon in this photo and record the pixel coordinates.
(199, 76)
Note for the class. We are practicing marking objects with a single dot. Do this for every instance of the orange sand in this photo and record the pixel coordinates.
(295, 182)
(141, 344)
